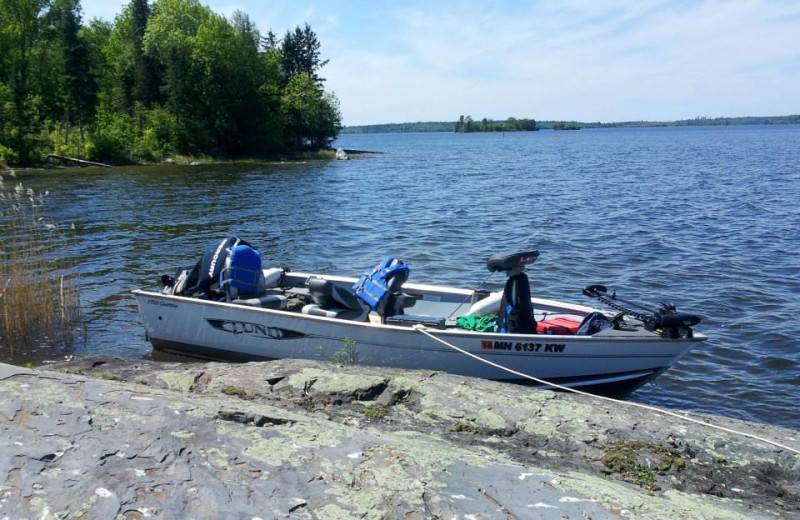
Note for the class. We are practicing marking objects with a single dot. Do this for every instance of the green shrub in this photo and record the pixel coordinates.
(8, 156)
(155, 139)
(70, 143)
(113, 135)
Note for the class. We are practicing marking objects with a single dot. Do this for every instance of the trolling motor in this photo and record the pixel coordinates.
(666, 319)
(516, 311)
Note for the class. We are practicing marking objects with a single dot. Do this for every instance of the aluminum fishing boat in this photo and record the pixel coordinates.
(230, 308)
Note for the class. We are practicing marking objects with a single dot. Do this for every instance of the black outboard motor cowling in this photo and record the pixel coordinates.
(204, 278)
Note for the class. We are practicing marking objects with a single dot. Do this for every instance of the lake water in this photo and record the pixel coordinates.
(708, 218)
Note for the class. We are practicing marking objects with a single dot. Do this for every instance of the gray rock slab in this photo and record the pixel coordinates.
(9, 405)
(110, 438)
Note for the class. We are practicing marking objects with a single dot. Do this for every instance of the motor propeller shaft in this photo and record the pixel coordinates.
(666, 319)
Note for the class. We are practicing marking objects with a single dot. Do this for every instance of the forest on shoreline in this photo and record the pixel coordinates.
(452, 126)
(466, 125)
(163, 79)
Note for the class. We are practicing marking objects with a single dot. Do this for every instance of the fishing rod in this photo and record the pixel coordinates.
(519, 247)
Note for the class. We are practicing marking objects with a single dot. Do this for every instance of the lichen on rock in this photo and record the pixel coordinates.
(299, 439)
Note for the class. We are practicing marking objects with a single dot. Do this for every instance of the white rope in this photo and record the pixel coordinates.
(422, 329)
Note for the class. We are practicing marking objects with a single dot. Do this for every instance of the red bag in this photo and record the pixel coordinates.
(561, 325)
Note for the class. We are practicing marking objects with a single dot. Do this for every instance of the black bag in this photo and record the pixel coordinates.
(593, 323)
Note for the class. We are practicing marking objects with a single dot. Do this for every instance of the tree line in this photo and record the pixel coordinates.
(467, 125)
(166, 78)
(561, 125)
(400, 128)
(448, 126)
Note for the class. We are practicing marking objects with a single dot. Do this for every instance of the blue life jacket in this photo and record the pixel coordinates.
(242, 269)
(374, 286)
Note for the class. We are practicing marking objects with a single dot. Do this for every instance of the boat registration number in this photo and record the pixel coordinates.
(519, 346)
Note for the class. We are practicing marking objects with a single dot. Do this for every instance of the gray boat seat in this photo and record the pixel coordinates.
(397, 301)
(265, 296)
(265, 301)
(334, 301)
(265, 279)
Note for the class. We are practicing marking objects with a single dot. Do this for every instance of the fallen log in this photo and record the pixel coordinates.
(78, 161)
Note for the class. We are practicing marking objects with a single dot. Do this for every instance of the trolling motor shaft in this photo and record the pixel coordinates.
(665, 319)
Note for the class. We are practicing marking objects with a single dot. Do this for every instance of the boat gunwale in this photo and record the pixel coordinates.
(697, 337)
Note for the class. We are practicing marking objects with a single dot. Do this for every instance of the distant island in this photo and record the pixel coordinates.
(450, 126)
(466, 125)
(566, 126)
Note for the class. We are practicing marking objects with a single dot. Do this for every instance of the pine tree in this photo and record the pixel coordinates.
(145, 77)
(301, 54)
(77, 90)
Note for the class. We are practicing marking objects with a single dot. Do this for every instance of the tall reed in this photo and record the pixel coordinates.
(39, 284)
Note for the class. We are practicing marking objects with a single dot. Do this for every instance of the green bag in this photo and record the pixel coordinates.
(486, 323)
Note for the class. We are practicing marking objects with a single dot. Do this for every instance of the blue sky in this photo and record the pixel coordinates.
(586, 60)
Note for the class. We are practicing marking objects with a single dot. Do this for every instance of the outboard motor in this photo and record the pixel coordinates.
(204, 279)
(516, 311)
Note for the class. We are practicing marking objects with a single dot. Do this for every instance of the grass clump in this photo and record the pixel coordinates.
(347, 355)
(234, 390)
(629, 460)
(375, 411)
(107, 376)
(39, 283)
(464, 426)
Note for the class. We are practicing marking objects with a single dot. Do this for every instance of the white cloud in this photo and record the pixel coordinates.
(580, 60)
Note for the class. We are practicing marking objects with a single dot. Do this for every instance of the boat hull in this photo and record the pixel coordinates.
(224, 331)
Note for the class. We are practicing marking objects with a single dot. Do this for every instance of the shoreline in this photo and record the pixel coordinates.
(328, 154)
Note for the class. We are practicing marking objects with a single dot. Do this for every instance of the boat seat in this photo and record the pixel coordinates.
(397, 303)
(511, 261)
(264, 301)
(380, 288)
(244, 282)
(333, 301)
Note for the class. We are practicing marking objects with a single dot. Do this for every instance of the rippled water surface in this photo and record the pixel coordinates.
(708, 218)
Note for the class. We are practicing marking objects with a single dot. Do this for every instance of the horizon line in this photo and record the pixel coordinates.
(697, 118)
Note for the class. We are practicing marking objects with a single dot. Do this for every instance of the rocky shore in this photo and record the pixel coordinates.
(121, 438)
